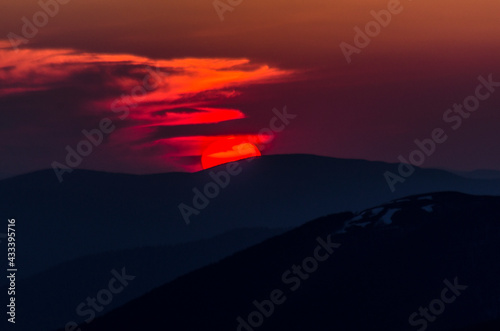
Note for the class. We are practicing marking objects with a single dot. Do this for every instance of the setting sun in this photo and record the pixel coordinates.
(228, 150)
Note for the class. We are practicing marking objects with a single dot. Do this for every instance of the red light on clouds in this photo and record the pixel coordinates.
(202, 116)
(185, 152)
(141, 95)
(228, 150)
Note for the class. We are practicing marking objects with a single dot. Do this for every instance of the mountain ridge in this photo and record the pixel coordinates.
(280, 191)
(354, 289)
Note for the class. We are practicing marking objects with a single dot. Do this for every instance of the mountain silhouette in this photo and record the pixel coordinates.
(50, 298)
(386, 263)
(93, 212)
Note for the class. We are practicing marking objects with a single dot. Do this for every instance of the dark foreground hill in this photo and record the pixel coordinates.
(91, 212)
(429, 260)
(51, 298)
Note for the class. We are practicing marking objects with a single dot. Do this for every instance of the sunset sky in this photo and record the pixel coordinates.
(205, 79)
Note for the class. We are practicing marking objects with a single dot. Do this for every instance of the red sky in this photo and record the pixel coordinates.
(223, 78)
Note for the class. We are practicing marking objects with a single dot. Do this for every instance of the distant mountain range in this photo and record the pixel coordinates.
(50, 298)
(479, 174)
(422, 262)
(92, 212)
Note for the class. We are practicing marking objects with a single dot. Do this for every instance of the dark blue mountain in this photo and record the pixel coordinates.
(92, 212)
(422, 262)
(50, 298)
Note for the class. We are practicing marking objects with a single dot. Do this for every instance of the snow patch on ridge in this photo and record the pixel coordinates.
(387, 217)
(428, 208)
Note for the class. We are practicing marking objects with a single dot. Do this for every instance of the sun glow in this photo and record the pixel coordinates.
(228, 150)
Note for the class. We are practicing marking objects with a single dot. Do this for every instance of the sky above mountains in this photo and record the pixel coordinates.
(161, 81)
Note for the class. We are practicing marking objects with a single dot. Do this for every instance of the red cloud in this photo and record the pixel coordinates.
(138, 93)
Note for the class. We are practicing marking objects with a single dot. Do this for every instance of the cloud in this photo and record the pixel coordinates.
(51, 95)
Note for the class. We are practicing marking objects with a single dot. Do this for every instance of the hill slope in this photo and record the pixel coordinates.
(392, 260)
(50, 299)
(91, 212)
